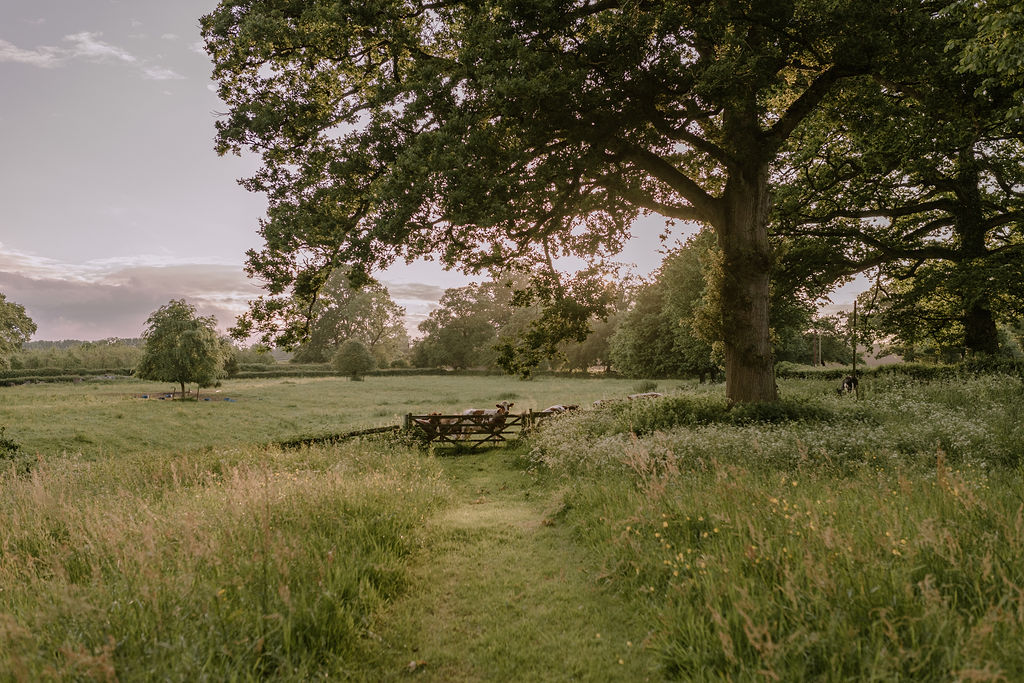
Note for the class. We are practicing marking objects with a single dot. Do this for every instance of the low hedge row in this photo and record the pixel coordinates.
(921, 371)
(62, 372)
(50, 379)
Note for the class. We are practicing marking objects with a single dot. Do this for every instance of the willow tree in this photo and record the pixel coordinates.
(181, 346)
(503, 133)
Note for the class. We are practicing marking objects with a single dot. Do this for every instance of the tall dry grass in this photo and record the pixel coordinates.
(236, 564)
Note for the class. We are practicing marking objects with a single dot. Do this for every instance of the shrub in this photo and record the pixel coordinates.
(353, 359)
(8, 447)
(11, 453)
(977, 421)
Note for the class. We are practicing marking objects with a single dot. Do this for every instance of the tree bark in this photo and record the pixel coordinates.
(745, 287)
(980, 335)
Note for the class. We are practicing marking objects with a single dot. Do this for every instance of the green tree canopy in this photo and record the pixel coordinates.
(315, 319)
(662, 334)
(181, 346)
(465, 327)
(500, 133)
(923, 179)
(595, 349)
(671, 330)
(991, 47)
(109, 354)
(16, 328)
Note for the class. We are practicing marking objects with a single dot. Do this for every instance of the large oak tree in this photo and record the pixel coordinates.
(500, 133)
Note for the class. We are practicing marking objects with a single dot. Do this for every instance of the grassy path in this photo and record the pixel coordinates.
(505, 594)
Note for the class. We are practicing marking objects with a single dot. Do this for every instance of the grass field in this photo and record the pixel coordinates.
(823, 539)
(104, 418)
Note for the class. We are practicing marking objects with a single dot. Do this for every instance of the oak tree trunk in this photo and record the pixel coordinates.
(979, 324)
(745, 288)
(980, 329)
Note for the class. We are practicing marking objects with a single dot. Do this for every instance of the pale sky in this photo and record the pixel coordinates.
(112, 200)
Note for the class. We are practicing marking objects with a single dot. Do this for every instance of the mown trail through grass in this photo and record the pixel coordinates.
(505, 593)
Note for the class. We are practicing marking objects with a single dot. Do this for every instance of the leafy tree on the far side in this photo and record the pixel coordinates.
(819, 340)
(662, 334)
(257, 354)
(181, 347)
(595, 350)
(671, 329)
(554, 310)
(70, 354)
(353, 359)
(502, 133)
(463, 330)
(16, 328)
(317, 318)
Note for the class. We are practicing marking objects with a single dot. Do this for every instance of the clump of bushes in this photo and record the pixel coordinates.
(820, 538)
(9, 448)
(901, 423)
(12, 453)
(643, 417)
(971, 367)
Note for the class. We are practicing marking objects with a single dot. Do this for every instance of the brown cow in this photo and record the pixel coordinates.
(484, 421)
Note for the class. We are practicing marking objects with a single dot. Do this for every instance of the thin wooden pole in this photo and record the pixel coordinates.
(856, 384)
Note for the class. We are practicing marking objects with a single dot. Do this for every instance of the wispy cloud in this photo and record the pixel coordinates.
(83, 46)
(159, 73)
(113, 297)
(415, 291)
(86, 45)
(43, 57)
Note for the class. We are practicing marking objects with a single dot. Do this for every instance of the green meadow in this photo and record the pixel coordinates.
(99, 418)
(825, 538)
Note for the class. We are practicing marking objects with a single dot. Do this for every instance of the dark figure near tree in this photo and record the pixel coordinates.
(849, 385)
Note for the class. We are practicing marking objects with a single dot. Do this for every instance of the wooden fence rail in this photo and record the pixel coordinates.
(463, 431)
(472, 431)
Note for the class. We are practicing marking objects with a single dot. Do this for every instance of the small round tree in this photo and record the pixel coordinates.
(180, 347)
(16, 328)
(353, 359)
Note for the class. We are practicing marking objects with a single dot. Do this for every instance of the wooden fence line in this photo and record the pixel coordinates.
(472, 431)
(298, 442)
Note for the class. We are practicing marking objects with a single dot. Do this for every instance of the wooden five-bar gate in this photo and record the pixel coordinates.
(472, 431)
